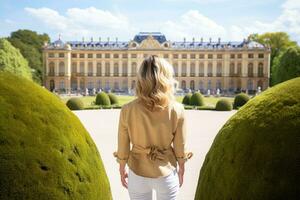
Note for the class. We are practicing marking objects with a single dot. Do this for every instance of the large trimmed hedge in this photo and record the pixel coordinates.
(102, 98)
(45, 152)
(224, 105)
(197, 99)
(113, 98)
(240, 100)
(187, 99)
(75, 104)
(256, 153)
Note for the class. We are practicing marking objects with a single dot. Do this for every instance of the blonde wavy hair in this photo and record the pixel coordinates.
(156, 83)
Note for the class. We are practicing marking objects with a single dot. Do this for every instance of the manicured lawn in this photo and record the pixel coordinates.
(123, 99)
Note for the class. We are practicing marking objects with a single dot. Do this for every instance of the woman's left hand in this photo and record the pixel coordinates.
(124, 176)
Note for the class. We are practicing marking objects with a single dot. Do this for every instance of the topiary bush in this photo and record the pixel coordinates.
(197, 99)
(75, 104)
(102, 99)
(256, 153)
(45, 152)
(224, 105)
(113, 98)
(187, 99)
(240, 100)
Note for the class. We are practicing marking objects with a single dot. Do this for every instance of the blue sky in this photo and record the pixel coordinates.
(228, 19)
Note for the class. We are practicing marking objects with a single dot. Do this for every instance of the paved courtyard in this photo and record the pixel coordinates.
(202, 127)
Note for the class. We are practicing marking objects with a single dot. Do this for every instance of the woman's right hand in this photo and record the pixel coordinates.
(181, 174)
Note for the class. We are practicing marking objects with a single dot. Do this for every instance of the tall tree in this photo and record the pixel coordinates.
(287, 65)
(30, 44)
(12, 60)
(278, 42)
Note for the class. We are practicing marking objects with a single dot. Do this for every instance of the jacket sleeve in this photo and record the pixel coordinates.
(179, 142)
(123, 139)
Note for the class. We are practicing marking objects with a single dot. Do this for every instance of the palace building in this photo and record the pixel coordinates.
(78, 66)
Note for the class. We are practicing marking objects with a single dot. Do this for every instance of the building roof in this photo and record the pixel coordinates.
(182, 45)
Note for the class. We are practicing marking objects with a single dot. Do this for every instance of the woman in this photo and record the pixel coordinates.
(154, 123)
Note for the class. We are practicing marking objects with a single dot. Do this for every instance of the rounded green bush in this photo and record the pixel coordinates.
(240, 100)
(224, 105)
(197, 99)
(45, 152)
(187, 99)
(113, 98)
(75, 104)
(102, 98)
(256, 153)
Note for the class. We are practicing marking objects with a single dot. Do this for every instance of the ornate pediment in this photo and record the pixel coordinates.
(150, 43)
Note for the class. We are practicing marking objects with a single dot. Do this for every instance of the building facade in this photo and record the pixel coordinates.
(230, 67)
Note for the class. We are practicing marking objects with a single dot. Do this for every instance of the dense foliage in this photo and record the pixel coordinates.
(187, 99)
(224, 105)
(102, 98)
(113, 98)
(197, 99)
(75, 104)
(240, 100)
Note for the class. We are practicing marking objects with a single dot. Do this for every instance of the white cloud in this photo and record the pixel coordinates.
(88, 22)
(76, 23)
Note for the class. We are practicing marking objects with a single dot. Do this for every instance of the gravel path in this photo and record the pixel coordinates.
(202, 127)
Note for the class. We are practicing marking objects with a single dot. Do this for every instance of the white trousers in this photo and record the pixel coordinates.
(140, 188)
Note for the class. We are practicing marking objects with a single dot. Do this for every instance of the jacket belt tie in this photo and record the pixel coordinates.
(153, 152)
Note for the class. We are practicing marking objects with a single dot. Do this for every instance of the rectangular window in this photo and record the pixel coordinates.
(175, 56)
(124, 55)
(90, 55)
(99, 55)
(61, 55)
(116, 55)
(184, 56)
(240, 55)
(81, 55)
(107, 55)
(166, 55)
(219, 56)
(210, 56)
(133, 55)
(232, 56)
(250, 55)
(74, 55)
(201, 56)
(51, 55)
(193, 56)
(261, 55)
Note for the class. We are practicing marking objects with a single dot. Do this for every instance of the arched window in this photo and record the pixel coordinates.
(210, 70)
(250, 84)
(116, 85)
(74, 68)
(183, 69)
(192, 85)
(231, 69)
(183, 84)
(201, 85)
(239, 69)
(260, 70)
(238, 84)
(107, 69)
(116, 69)
(61, 68)
(62, 85)
(99, 70)
(219, 85)
(260, 84)
(52, 85)
(81, 68)
(134, 69)
(250, 69)
(99, 84)
(133, 84)
(219, 69)
(192, 70)
(124, 69)
(201, 69)
(175, 66)
(231, 85)
(51, 69)
(124, 85)
(90, 69)
(209, 85)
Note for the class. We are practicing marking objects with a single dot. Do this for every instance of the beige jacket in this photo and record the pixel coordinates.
(157, 139)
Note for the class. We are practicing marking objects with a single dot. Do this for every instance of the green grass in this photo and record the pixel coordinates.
(88, 101)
